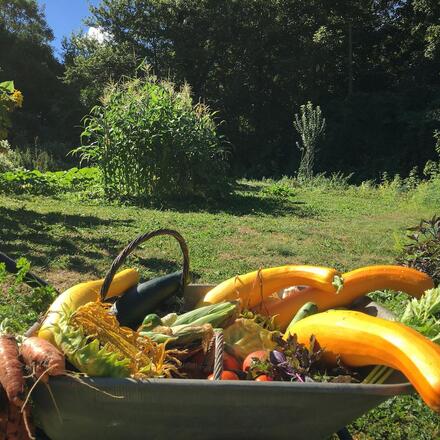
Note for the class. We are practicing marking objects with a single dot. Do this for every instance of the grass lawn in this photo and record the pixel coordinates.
(69, 240)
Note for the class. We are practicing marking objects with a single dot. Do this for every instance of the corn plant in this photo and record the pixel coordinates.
(310, 125)
(152, 142)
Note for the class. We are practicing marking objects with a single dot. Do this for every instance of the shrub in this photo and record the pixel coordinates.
(335, 181)
(423, 250)
(49, 183)
(37, 159)
(151, 142)
(282, 190)
(9, 159)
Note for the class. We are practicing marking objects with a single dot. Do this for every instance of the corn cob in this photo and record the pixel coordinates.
(181, 335)
(218, 315)
(194, 326)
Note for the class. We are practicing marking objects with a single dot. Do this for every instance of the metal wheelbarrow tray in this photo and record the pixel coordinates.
(202, 409)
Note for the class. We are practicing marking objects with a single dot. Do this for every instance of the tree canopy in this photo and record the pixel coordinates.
(26, 57)
(373, 66)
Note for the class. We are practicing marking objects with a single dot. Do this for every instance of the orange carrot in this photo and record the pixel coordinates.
(42, 358)
(17, 429)
(11, 370)
(3, 413)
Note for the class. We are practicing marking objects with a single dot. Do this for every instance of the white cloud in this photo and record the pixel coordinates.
(98, 34)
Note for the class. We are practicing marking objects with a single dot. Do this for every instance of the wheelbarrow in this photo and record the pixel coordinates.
(110, 408)
(203, 409)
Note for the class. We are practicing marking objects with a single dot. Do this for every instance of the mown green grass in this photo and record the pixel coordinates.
(68, 239)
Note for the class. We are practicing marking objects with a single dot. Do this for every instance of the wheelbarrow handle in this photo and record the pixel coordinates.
(30, 278)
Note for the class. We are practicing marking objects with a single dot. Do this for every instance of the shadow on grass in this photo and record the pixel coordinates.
(244, 200)
(66, 241)
(30, 234)
(160, 265)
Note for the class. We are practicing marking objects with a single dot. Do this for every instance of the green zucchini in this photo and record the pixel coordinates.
(138, 301)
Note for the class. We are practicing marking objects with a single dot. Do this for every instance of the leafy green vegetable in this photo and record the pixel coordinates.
(424, 314)
(246, 336)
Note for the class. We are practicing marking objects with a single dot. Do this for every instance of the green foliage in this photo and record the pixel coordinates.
(51, 110)
(279, 189)
(424, 314)
(49, 183)
(37, 159)
(9, 100)
(90, 65)
(20, 305)
(399, 418)
(9, 159)
(322, 181)
(255, 60)
(437, 143)
(152, 143)
(310, 125)
(400, 184)
(423, 250)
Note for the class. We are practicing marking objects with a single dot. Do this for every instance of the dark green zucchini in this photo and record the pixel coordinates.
(138, 301)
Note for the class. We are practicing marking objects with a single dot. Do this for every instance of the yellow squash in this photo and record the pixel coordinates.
(83, 293)
(357, 283)
(250, 289)
(361, 340)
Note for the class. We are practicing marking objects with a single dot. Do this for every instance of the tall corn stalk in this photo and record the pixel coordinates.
(152, 142)
(310, 125)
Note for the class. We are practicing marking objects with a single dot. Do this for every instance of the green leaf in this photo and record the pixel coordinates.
(7, 86)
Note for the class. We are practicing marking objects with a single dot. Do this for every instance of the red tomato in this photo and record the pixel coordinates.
(226, 375)
(229, 362)
(264, 378)
(262, 355)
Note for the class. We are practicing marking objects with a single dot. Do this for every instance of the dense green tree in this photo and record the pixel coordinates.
(372, 65)
(91, 64)
(49, 113)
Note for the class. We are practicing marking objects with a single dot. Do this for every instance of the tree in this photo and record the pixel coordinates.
(372, 66)
(90, 65)
(50, 111)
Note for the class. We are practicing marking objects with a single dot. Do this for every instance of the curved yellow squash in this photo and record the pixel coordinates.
(83, 293)
(357, 283)
(361, 340)
(250, 289)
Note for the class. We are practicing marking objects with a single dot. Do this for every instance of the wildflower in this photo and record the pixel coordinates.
(17, 97)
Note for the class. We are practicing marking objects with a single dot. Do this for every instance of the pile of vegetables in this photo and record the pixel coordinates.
(269, 333)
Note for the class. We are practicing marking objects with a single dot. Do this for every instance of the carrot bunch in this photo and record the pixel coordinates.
(14, 422)
(41, 359)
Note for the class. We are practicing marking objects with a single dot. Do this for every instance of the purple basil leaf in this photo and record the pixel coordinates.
(277, 357)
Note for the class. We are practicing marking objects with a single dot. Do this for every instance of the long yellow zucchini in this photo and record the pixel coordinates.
(357, 283)
(250, 289)
(83, 293)
(361, 340)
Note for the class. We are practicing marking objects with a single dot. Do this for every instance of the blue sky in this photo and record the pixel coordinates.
(65, 16)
